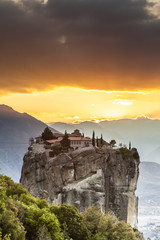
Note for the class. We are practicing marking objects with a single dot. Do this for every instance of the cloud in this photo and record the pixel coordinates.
(93, 44)
(123, 102)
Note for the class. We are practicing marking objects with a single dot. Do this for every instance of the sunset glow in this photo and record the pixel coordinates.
(76, 60)
(70, 104)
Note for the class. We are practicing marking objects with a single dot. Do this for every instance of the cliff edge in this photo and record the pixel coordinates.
(105, 177)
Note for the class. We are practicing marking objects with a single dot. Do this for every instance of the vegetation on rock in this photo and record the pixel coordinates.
(126, 153)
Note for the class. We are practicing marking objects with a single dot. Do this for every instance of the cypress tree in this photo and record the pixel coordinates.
(47, 134)
(130, 146)
(101, 140)
(65, 142)
(93, 139)
(97, 142)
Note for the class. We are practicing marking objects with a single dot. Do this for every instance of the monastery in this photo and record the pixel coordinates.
(77, 140)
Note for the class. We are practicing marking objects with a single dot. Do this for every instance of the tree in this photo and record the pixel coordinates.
(23, 216)
(71, 221)
(106, 227)
(97, 142)
(65, 142)
(130, 146)
(47, 134)
(101, 140)
(93, 139)
(112, 142)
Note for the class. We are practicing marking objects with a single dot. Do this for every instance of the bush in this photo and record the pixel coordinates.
(23, 216)
(71, 222)
(126, 153)
(106, 227)
(56, 148)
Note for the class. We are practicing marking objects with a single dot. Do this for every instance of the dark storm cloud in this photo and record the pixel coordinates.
(103, 44)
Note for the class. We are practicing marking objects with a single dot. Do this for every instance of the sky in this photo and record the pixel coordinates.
(76, 60)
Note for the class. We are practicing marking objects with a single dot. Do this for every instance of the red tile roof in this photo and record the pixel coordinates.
(53, 141)
(70, 138)
(79, 139)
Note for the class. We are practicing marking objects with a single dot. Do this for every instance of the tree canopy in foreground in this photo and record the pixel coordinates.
(23, 217)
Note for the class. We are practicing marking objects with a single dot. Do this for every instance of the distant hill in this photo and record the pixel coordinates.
(143, 133)
(15, 130)
(87, 128)
(149, 180)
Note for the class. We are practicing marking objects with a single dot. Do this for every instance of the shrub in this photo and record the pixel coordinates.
(56, 147)
(23, 216)
(126, 153)
(106, 227)
(71, 222)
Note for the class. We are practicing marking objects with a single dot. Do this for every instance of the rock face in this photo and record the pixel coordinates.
(107, 178)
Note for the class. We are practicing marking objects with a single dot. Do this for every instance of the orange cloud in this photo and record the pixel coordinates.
(106, 44)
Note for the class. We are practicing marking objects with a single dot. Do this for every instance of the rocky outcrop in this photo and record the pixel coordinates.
(107, 178)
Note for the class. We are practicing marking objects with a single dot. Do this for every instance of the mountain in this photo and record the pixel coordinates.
(143, 133)
(15, 131)
(87, 128)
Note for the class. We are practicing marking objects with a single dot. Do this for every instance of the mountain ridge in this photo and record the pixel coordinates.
(143, 133)
(16, 129)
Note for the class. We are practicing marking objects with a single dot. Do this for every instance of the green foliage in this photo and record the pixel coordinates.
(6, 237)
(47, 134)
(106, 227)
(65, 142)
(23, 217)
(56, 147)
(36, 218)
(127, 154)
(10, 224)
(71, 222)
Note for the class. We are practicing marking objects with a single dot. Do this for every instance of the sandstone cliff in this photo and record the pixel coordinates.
(85, 177)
